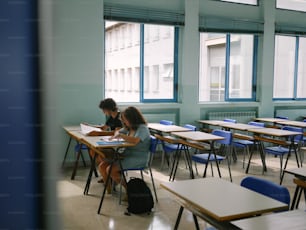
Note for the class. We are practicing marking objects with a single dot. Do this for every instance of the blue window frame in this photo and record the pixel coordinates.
(228, 64)
(289, 68)
(143, 66)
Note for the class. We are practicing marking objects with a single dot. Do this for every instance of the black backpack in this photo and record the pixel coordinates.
(140, 199)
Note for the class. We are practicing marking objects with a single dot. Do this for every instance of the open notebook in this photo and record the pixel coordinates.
(85, 129)
(105, 140)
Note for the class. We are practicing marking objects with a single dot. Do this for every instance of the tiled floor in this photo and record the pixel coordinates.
(80, 212)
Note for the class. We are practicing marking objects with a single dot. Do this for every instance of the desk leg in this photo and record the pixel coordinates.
(178, 219)
(76, 164)
(196, 222)
(92, 168)
(175, 163)
(189, 162)
(66, 153)
(105, 186)
(262, 156)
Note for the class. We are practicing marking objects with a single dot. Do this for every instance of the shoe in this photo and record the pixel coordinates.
(101, 181)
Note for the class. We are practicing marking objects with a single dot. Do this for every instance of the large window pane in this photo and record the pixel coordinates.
(299, 5)
(158, 62)
(241, 66)
(212, 67)
(226, 70)
(135, 54)
(251, 2)
(301, 78)
(122, 60)
(284, 67)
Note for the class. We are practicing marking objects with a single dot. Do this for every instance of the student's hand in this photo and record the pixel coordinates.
(116, 135)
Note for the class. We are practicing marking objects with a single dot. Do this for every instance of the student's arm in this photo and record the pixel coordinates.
(101, 133)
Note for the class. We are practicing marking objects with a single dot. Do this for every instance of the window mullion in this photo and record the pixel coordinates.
(141, 66)
(296, 66)
(227, 66)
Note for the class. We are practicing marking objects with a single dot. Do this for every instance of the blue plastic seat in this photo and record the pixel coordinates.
(169, 148)
(246, 144)
(206, 158)
(166, 122)
(281, 151)
(267, 188)
(230, 120)
(152, 151)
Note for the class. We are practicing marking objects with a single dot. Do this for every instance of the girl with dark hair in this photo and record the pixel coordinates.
(135, 131)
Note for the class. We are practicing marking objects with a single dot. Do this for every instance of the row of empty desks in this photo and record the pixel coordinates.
(261, 134)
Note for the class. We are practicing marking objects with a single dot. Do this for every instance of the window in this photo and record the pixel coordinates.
(144, 65)
(299, 5)
(250, 2)
(289, 68)
(227, 67)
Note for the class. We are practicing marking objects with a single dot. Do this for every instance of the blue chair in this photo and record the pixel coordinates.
(230, 120)
(170, 146)
(206, 158)
(246, 144)
(78, 150)
(152, 150)
(267, 188)
(166, 122)
(282, 117)
(281, 151)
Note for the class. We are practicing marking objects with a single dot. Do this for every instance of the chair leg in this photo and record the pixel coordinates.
(153, 184)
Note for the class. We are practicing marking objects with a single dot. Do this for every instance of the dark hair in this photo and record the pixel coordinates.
(134, 116)
(108, 104)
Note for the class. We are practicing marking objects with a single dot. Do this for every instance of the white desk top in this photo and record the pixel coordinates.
(222, 200)
(240, 126)
(298, 172)
(68, 128)
(300, 124)
(212, 122)
(167, 128)
(197, 136)
(268, 119)
(274, 132)
(277, 221)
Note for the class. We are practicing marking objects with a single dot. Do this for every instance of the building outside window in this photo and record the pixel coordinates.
(298, 5)
(226, 67)
(140, 62)
(250, 2)
(289, 68)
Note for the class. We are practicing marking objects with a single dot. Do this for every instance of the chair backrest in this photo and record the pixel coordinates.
(304, 120)
(191, 127)
(228, 136)
(153, 144)
(166, 122)
(297, 138)
(267, 188)
(230, 120)
(255, 123)
(282, 117)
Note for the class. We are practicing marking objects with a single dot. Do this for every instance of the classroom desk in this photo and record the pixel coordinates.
(299, 124)
(218, 201)
(212, 122)
(73, 133)
(268, 119)
(197, 136)
(97, 144)
(166, 128)
(274, 133)
(277, 221)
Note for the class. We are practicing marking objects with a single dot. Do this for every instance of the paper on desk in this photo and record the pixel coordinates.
(107, 139)
(85, 129)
